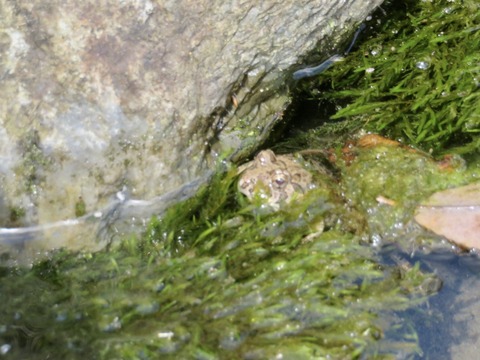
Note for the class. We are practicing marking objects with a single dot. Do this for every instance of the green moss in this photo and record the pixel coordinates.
(214, 279)
(387, 183)
(415, 77)
(80, 207)
(34, 161)
(16, 215)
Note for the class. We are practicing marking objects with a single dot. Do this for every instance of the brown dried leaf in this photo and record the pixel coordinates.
(454, 214)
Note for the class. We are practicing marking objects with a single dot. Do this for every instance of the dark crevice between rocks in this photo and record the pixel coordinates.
(306, 113)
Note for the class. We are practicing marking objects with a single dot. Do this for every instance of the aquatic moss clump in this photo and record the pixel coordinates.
(388, 182)
(414, 77)
(215, 279)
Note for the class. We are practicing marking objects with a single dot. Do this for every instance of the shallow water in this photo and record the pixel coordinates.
(122, 218)
(450, 325)
(453, 330)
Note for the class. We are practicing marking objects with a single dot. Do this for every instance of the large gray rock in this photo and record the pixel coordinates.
(144, 94)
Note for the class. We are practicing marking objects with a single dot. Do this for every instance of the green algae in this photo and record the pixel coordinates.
(415, 77)
(213, 279)
(389, 182)
(16, 215)
(34, 161)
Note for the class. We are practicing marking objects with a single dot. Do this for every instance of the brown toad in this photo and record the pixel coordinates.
(276, 179)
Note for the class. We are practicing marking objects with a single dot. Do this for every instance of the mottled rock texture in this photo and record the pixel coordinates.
(98, 95)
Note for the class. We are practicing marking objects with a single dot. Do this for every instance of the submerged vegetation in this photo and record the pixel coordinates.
(217, 278)
(415, 78)
(212, 280)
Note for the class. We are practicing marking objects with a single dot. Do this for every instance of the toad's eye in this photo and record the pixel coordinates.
(280, 181)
